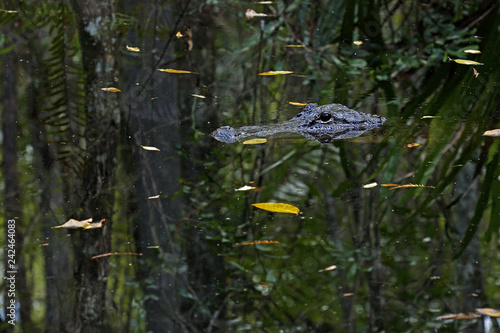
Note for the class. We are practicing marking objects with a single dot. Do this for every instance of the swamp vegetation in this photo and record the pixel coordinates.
(107, 109)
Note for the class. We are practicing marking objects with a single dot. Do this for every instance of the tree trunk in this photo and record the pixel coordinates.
(95, 21)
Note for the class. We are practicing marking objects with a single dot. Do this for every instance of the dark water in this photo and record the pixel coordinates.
(397, 228)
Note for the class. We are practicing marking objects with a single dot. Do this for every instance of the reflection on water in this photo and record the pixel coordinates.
(395, 229)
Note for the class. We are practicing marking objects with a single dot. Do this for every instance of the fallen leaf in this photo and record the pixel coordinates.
(489, 312)
(465, 62)
(132, 48)
(457, 316)
(297, 103)
(73, 224)
(277, 207)
(357, 42)
(116, 254)
(150, 148)
(250, 14)
(175, 71)
(413, 145)
(246, 188)
(476, 73)
(371, 185)
(199, 96)
(276, 73)
(409, 186)
(258, 243)
(472, 51)
(329, 268)
(111, 89)
(493, 132)
(85, 224)
(257, 141)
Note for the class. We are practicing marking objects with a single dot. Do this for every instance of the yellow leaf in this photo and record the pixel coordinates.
(132, 48)
(179, 34)
(294, 45)
(297, 103)
(493, 132)
(466, 62)
(258, 242)
(257, 141)
(277, 207)
(472, 51)
(150, 148)
(489, 312)
(73, 224)
(111, 89)
(430, 117)
(413, 145)
(276, 73)
(371, 185)
(458, 316)
(199, 96)
(116, 254)
(409, 186)
(175, 71)
(8, 11)
(357, 42)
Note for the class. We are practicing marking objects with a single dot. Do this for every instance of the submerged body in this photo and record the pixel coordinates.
(321, 123)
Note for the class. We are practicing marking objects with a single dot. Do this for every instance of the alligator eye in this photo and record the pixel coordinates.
(325, 117)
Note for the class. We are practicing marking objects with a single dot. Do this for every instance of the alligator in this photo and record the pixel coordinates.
(321, 123)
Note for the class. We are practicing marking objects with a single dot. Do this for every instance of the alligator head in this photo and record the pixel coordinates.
(321, 123)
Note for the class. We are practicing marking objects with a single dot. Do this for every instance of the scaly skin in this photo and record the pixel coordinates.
(321, 123)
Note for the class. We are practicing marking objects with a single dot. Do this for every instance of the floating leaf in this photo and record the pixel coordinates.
(246, 188)
(371, 185)
(413, 145)
(116, 254)
(111, 89)
(357, 42)
(179, 34)
(154, 197)
(150, 148)
(294, 45)
(457, 316)
(175, 71)
(466, 62)
(257, 141)
(250, 14)
(329, 268)
(472, 51)
(258, 242)
(489, 312)
(277, 207)
(276, 73)
(132, 48)
(493, 132)
(199, 96)
(476, 73)
(85, 224)
(409, 186)
(297, 103)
